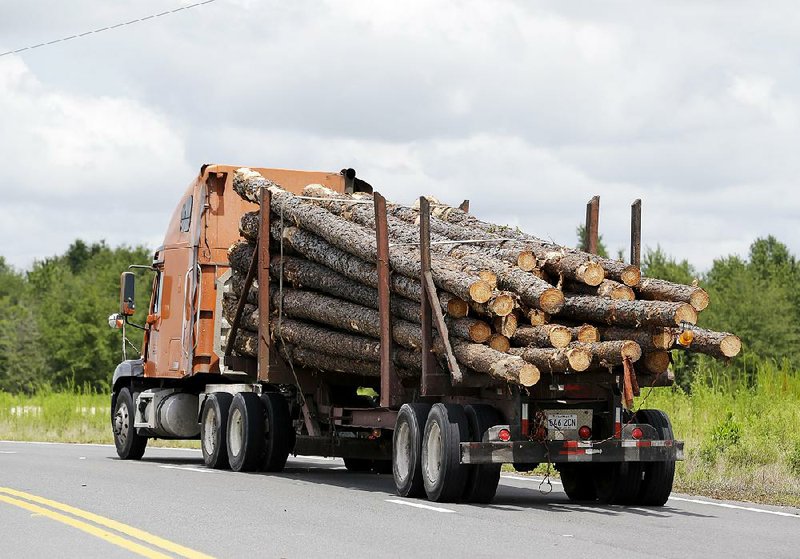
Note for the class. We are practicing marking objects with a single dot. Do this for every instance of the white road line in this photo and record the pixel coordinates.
(531, 479)
(418, 505)
(190, 469)
(8, 451)
(98, 445)
(737, 507)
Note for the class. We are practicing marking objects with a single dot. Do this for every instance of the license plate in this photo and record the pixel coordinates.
(562, 422)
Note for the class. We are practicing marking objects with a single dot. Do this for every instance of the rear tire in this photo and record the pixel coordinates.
(443, 475)
(617, 483)
(245, 437)
(658, 476)
(407, 449)
(214, 429)
(130, 445)
(482, 479)
(578, 481)
(279, 435)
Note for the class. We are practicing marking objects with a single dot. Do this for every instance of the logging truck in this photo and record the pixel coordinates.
(443, 434)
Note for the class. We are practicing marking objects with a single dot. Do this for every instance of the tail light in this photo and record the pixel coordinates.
(585, 432)
(504, 435)
(637, 433)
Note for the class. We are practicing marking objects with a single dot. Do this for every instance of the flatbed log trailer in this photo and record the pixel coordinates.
(443, 436)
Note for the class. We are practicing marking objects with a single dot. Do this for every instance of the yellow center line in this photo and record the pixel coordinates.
(147, 537)
(88, 528)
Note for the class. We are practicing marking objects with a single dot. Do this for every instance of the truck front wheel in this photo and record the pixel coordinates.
(130, 445)
(214, 428)
(443, 475)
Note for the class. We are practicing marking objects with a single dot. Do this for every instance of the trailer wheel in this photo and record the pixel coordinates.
(279, 435)
(130, 445)
(245, 440)
(443, 475)
(407, 449)
(482, 479)
(617, 483)
(658, 476)
(578, 481)
(214, 429)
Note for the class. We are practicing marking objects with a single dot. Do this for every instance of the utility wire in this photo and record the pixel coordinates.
(110, 27)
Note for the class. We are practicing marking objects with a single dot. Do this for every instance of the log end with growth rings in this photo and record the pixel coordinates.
(489, 277)
(730, 346)
(591, 273)
(623, 293)
(663, 338)
(502, 305)
(529, 375)
(559, 336)
(457, 308)
(579, 359)
(480, 291)
(480, 332)
(588, 334)
(551, 301)
(537, 317)
(685, 313)
(631, 350)
(506, 325)
(631, 276)
(699, 299)
(500, 343)
(656, 362)
(526, 261)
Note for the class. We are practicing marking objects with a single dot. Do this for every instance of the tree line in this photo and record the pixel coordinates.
(54, 330)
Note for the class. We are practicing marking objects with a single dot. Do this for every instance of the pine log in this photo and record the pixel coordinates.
(649, 339)
(448, 274)
(611, 354)
(457, 308)
(585, 333)
(558, 260)
(547, 335)
(627, 313)
(661, 290)
(607, 288)
(501, 304)
(656, 362)
(530, 288)
(499, 342)
(240, 254)
(536, 317)
(720, 345)
(555, 360)
(499, 365)
(506, 325)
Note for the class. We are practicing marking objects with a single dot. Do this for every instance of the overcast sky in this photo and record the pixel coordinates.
(526, 108)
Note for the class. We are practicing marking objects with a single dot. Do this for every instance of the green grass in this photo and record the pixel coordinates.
(79, 415)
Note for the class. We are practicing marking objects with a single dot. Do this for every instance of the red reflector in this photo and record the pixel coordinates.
(585, 433)
(637, 433)
(504, 435)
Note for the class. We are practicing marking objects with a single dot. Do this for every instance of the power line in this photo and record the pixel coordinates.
(110, 27)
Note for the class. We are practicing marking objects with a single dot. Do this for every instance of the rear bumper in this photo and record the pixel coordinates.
(614, 450)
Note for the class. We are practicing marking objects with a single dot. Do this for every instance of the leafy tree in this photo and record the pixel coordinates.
(656, 264)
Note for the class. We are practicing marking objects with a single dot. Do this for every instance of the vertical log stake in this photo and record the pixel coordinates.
(464, 207)
(262, 253)
(390, 384)
(592, 219)
(636, 233)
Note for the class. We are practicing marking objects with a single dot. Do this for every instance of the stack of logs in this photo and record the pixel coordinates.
(516, 306)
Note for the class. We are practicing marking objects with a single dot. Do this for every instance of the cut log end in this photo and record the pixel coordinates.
(529, 375)
(591, 273)
(623, 293)
(579, 359)
(551, 301)
(699, 299)
(526, 261)
(730, 346)
(506, 325)
(588, 334)
(686, 313)
(480, 291)
(560, 336)
(663, 338)
(480, 332)
(631, 276)
(502, 305)
(457, 308)
(656, 362)
(538, 317)
(489, 277)
(500, 343)
(631, 350)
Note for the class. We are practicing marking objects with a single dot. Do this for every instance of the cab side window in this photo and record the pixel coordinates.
(186, 215)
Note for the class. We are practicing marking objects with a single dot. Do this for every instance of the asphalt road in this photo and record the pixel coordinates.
(59, 500)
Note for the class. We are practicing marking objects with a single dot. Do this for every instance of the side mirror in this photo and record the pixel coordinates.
(115, 321)
(126, 294)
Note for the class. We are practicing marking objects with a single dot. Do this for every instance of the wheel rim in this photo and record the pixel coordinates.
(236, 433)
(433, 452)
(402, 455)
(210, 431)
(121, 424)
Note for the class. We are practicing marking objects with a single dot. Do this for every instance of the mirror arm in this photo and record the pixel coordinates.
(129, 323)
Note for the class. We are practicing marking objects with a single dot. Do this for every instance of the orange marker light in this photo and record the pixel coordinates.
(686, 338)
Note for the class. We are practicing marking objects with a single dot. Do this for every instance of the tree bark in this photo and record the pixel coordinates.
(555, 360)
(660, 290)
(548, 335)
(627, 313)
(611, 354)
(558, 260)
(505, 367)
(649, 339)
(720, 345)
(530, 288)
